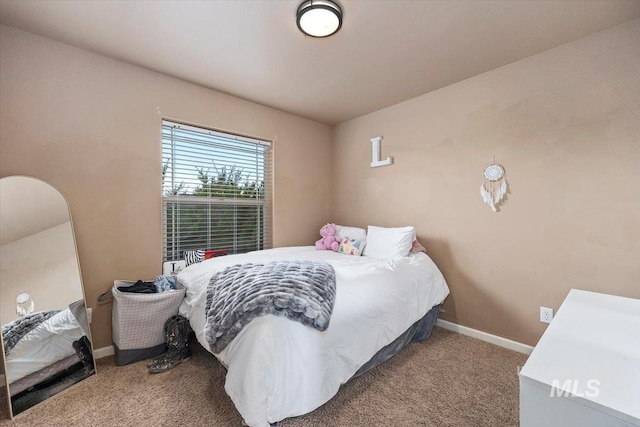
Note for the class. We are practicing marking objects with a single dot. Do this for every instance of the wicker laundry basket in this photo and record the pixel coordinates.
(138, 322)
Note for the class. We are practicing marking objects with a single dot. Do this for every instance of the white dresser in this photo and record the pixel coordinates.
(585, 370)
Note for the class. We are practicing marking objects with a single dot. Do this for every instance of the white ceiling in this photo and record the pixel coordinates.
(386, 51)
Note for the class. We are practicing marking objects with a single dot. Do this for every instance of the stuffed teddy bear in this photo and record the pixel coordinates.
(329, 239)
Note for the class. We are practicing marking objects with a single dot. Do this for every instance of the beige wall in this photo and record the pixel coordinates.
(45, 266)
(565, 124)
(90, 126)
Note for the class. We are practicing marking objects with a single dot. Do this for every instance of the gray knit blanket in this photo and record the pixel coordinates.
(303, 291)
(13, 331)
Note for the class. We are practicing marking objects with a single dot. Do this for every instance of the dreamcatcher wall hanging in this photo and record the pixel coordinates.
(494, 186)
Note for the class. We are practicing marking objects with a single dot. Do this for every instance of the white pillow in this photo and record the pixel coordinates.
(355, 233)
(389, 242)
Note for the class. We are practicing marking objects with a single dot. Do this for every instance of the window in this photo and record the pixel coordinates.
(216, 191)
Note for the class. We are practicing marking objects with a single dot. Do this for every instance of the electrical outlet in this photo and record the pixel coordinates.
(89, 314)
(546, 314)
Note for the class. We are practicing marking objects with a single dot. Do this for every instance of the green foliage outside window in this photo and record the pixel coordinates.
(220, 214)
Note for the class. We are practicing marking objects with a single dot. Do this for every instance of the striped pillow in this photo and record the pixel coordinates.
(192, 257)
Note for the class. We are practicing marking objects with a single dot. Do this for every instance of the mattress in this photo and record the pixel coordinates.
(278, 368)
(46, 344)
(18, 386)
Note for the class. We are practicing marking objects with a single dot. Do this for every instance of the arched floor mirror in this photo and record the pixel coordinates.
(46, 341)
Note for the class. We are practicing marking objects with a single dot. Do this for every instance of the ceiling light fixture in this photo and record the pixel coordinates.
(319, 18)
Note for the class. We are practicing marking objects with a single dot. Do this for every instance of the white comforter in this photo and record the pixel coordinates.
(279, 368)
(47, 343)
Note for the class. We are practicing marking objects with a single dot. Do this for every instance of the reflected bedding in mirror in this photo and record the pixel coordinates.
(40, 340)
(46, 341)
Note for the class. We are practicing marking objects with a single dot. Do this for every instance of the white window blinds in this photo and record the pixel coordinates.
(216, 191)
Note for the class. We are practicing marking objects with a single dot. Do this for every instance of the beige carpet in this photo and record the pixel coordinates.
(448, 380)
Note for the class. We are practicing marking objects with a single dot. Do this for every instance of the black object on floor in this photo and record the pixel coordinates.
(176, 332)
(83, 350)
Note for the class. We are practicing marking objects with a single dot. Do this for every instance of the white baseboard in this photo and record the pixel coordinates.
(99, 353)
(484, 336)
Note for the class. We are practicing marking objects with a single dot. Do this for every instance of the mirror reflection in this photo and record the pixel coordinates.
(46, 341)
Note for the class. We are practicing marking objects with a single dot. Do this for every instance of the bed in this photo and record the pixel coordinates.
(42, 347)
(278, 368)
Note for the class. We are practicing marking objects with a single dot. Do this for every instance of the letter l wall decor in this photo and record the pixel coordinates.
(375, 154)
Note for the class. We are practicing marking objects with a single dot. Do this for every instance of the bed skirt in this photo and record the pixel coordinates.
(419, 331)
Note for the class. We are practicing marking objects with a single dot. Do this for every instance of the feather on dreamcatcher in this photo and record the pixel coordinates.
(494, 186)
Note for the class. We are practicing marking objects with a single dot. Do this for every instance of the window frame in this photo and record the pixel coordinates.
(263, 230)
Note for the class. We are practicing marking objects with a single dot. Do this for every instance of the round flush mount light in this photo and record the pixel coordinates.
(319, 18)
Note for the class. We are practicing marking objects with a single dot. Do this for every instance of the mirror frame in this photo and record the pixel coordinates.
(84, 298)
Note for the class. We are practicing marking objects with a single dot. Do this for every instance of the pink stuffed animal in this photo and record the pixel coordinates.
(329, 239)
